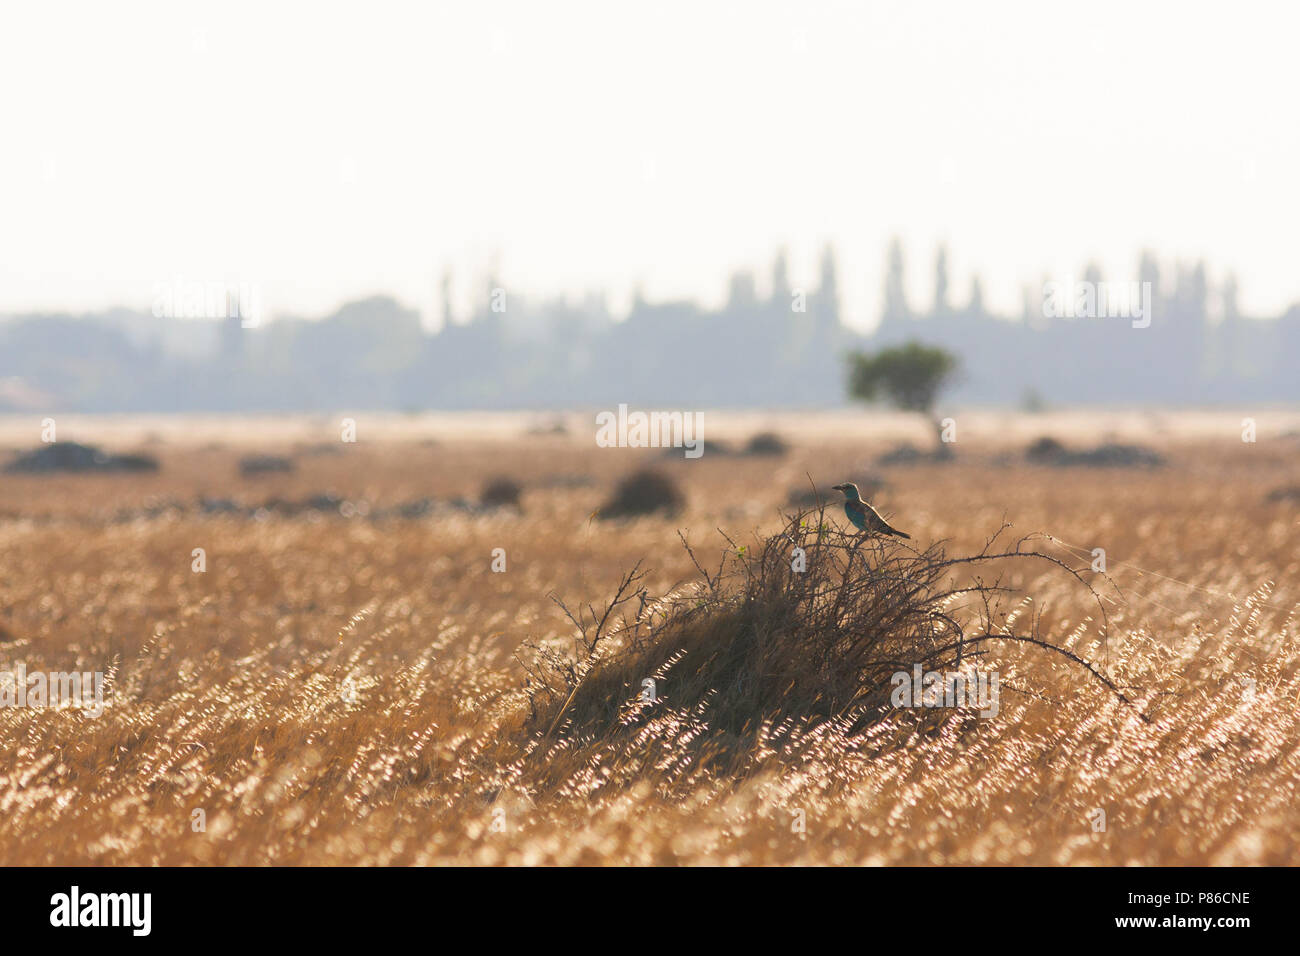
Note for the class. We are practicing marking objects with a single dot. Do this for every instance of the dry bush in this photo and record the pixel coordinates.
(803, 632)
(767, 443)
(644, 492)
(501, 492)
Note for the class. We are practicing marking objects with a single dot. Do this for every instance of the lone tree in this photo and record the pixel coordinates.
(909, 376)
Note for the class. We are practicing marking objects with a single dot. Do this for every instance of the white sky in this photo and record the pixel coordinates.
(331, 152)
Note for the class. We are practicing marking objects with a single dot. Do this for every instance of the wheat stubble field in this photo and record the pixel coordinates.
(345, 683)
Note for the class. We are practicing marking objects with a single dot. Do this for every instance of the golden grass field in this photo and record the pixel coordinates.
(346, 690)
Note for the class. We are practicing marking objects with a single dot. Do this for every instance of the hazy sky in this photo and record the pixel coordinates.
(331, 152)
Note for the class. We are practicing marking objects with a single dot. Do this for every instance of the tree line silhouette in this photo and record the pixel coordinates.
(787, 348)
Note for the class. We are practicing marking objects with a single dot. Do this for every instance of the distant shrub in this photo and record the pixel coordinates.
(74, 457)
(134, 462)
(501, 493)
(410, 510)
(1114, 454)
(321, 502)
(713, 448)
(1045, 451)
(556, 426)
(804, 496)
(252, 465)
(320, 448)
(1049, 451)
(767, 443)
(644, 492)
(904, 454)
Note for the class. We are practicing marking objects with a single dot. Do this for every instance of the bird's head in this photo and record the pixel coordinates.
(850, 490)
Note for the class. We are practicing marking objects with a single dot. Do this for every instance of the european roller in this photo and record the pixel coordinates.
(863, 516)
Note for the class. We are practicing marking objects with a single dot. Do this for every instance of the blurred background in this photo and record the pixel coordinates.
(236, 208)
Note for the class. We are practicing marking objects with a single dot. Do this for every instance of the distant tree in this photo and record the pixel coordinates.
(828, 295)
(448, 316)
(910, 377)
(941, 280)
(1030, 313)
(895, 296)
(741, 294)
(781, 281)
(1149, 272)
(1235, 360)
(828, 283)
(976, 306)
(1198, 293)
(1228, 296)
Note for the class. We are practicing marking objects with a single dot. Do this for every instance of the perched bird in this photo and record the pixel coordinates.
(863, 516)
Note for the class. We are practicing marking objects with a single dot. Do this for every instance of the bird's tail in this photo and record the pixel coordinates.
(901, 534)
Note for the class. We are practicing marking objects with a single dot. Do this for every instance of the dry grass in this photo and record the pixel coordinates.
(350, 690)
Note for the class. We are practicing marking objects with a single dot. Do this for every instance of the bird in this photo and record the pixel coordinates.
(863, 516)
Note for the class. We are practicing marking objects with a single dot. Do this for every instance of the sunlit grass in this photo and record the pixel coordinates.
(338, 690)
